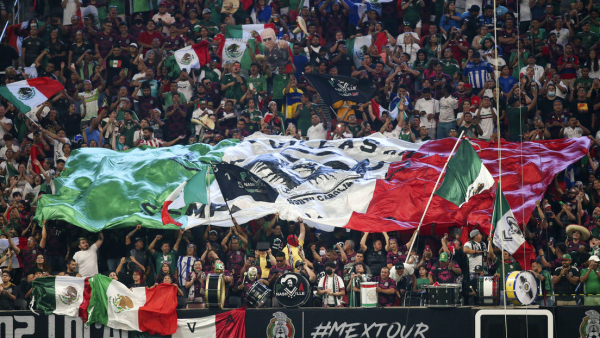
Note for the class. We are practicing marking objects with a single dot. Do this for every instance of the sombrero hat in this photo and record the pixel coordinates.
(585, 233)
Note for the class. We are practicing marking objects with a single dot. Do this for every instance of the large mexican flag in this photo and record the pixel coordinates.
(245, 31)
(27, 94)
(60, 295)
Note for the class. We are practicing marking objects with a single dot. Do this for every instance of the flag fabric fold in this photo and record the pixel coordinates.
(27, 94)
(378, 110)
(60, 295)
(230, 324)
(465, 176)
(245, 31)
(507, 233)
(190, 191)
(191, 57)
(358, 48)
(142, 309)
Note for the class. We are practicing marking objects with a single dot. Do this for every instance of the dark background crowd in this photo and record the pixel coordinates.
(447, 67)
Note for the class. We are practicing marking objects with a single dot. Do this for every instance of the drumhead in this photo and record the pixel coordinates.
(292, 290)
(215, 291)
(521, 287)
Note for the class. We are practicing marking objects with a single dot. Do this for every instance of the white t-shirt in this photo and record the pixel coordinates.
(486, 122)
(58, 148)
(4, 120)
(90, 100)
(562, 37)
(408, 270)
(431, 106)
(474, 260)
(447, 106)
(3, 150)
(395, 133)
(572, 132)
(331, 300)
(87, 261)
(185, 88)
(317, 132)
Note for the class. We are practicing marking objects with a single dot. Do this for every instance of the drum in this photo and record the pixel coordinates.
(443, 295)
(292, 290)
(215, 291)
(487, 290)
(368, 294)
(258, 294)
(521, 287)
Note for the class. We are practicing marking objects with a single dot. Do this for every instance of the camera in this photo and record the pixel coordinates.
(549, 214)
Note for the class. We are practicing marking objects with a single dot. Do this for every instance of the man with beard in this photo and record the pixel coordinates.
(565, 279)
(232, 83)
(149, 140)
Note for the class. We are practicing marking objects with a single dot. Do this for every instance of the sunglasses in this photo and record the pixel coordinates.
(280, 260)
(267, 39)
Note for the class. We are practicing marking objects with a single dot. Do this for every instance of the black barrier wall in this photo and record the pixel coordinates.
(561, 322)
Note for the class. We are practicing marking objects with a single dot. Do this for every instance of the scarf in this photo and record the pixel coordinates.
(336, 289)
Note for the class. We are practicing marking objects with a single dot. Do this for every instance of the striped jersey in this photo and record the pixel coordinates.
(478, 73)
(155, 142)
(185, 265)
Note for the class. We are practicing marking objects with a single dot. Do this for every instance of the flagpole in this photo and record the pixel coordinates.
(433, 192)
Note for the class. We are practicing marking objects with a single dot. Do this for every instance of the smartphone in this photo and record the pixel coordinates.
(126, 71)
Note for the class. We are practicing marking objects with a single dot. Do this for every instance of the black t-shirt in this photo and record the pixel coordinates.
(375, 260)
(470, 131)
(277, 243)
(114, 64)
(344, 64)
(8, 55)
(583, 111)
(564, 286)
(79, 50)
(34, 47)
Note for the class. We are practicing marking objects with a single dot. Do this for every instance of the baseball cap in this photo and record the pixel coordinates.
(566, 256)
(206, 10)
(212, 232)
(594, 258)
(399, 266)
(474, 233)
(478, 268)
(139, 239)
(467, 85)
(501, 10)
(162, 4)
(298, 264)
(476, 54)
(444, 257)
(330, 265)
(133, 44)
(512, 100)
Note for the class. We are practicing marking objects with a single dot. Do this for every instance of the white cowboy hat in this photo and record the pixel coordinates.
(585, 233)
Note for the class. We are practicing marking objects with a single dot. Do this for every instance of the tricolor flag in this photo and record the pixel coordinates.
(191, 191)
(380, 40)
(194, 56)
(507, 233)
(30, 93)
(230, 324)
(142, 309)
(245, 31)
(466, 176)
(235, 50)
(20, 242)
(14, 39)
(358, 47)
(378, 110)
(60, 295)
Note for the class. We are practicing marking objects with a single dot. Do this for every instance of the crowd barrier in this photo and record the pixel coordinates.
(463, 322)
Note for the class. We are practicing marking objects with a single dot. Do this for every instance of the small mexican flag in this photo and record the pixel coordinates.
(378, 110)
(26, 95)
(245, 31)
(61, 295)
(194, 56)
(466, 176)
(235, 50)
(191, 191)
(142, 309)
(357, 47)
(507, 233)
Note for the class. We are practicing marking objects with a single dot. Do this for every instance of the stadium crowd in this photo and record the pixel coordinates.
(439, 67)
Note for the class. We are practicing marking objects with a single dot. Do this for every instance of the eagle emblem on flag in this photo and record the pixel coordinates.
(187, 59)
(69, 295)
(233, 51)
(120, 303)
(26, 93)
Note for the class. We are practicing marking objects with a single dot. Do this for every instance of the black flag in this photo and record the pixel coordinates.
(341, 88)
(236, 181)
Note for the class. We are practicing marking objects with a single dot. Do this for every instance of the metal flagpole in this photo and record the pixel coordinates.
(432, 193)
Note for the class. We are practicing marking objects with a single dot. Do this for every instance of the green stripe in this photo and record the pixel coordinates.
(463, 169)
(45, 294)
(501, 208)
(234, 32)
(23, 108)
(98, 308)
(12, 171)
(195, 189)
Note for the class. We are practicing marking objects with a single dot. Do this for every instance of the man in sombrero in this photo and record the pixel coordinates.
(577, 242)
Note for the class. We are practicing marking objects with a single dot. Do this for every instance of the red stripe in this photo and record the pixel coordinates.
(166, 217)
(201, 50)
(83, 308)
(231, 324)
(46, 86)
(33, 154)
(159, 316)
(376, 109)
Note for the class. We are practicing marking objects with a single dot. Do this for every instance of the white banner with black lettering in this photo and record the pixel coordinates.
(323, 182)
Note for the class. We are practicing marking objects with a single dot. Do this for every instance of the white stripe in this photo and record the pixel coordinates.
(177, 196)
(196, 328)
(125, 317)
(66, 304)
